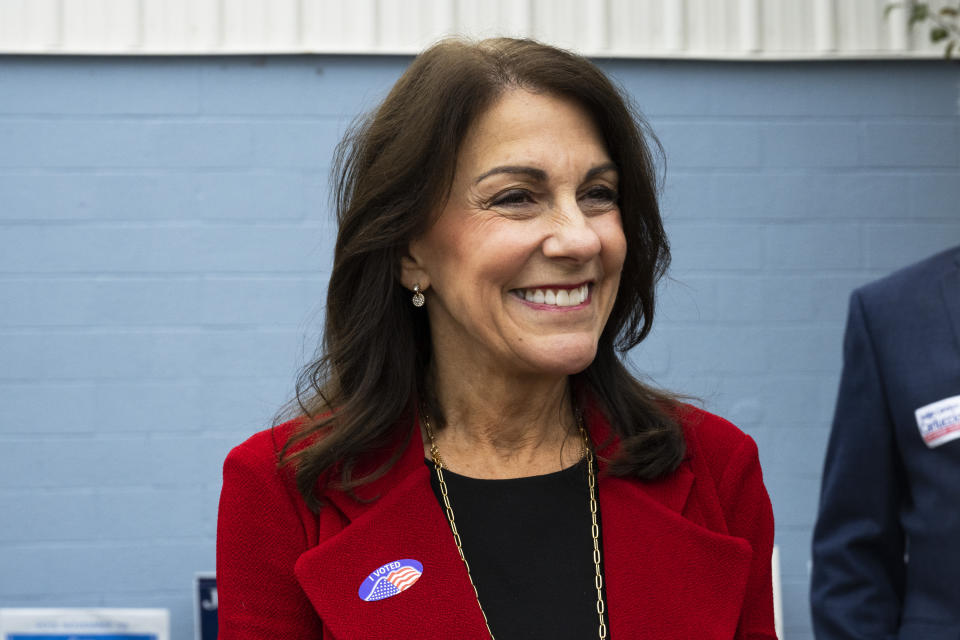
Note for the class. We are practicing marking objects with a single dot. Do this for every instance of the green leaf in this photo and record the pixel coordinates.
(890, 7)
(938, 33)
(948, 54)
(919, 13)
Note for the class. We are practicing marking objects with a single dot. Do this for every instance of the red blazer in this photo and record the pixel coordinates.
(684, 557)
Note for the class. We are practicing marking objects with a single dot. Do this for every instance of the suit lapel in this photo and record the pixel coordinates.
(406, 522)
(950, 288)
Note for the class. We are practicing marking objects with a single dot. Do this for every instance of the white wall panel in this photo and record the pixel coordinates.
(675, 27)
(825, 26)
(739, 29)
(855, 35)
(89, 25)
(195, 25)
(408, 25)
(13, 15)
(712, 27)
(338, 26)
(260, 25)
(638, 23)
(31, 22)
(750, 25)
(562, 22)
(488, 18)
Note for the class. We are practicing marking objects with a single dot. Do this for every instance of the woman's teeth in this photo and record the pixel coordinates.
(557, 297)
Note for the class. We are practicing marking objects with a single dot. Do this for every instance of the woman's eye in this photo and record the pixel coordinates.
(601, 195)
(512, 198)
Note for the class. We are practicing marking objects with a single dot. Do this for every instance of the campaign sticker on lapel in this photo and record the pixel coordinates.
(390, 579)
(939, 422)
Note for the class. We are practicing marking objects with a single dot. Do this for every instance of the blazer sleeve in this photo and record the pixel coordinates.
(858, 543)
(749, 515)
(260, 535)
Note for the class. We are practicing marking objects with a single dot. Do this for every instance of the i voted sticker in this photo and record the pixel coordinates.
(939, 423)
(390, 579)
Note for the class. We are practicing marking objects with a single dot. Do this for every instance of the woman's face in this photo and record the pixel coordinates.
(521, 266)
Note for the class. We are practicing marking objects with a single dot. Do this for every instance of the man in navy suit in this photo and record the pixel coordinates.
(886, 547)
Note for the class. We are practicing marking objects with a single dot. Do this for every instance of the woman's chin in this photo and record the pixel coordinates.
(563, 360)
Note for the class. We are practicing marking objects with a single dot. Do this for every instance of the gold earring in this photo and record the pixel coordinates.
(417, 298)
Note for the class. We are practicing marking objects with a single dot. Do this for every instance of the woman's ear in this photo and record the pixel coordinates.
(412, 269)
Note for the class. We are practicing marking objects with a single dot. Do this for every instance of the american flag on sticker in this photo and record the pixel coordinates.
(939, 422)
(403, 578)
(390, 579)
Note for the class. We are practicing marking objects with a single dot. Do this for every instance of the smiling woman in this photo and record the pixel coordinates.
(545, 218)
(469, 457)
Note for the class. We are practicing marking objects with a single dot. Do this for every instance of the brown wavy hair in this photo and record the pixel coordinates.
(391, 173)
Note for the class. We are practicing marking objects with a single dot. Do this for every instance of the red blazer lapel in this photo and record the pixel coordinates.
(667, 576)
(406, 522)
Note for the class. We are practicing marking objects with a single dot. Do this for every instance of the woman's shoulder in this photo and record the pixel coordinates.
(263, 450)
(253, 474)
(714, 440)
(728, 462)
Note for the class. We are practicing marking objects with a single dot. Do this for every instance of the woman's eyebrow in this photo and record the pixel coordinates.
(539, 175)
(602, 168)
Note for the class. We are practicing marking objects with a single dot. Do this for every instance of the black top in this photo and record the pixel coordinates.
(530, 551)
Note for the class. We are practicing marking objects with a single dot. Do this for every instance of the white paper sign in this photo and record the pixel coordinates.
(84, 624)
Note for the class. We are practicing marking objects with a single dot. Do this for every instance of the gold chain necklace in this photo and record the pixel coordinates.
(594, 527)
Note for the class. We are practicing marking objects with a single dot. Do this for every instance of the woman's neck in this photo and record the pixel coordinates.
(501, 426)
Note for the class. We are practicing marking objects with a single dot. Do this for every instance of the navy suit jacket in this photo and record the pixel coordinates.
(886, 547)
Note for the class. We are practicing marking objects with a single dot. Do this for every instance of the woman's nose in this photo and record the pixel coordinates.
(572, 236)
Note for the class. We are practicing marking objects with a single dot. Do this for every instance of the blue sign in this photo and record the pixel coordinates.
(206, 607)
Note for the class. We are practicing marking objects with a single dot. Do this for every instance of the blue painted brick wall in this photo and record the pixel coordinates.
(165, 241)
